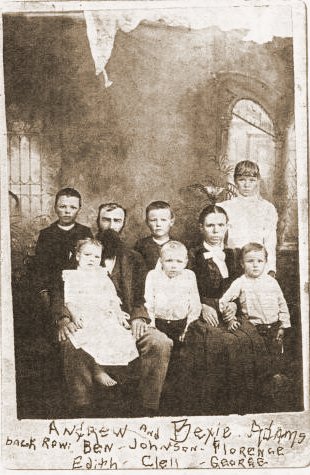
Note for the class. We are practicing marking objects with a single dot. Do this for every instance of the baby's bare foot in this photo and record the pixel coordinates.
(104, 379)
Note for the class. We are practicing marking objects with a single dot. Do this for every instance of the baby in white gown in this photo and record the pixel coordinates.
(103, 330)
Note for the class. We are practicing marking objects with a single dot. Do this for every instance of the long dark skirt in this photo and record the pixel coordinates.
(222, 372)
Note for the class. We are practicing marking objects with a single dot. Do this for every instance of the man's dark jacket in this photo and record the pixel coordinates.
(128, 276)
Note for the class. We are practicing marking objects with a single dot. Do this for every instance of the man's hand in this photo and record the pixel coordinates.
(65, 327)
(78, 320)
(138, 327)
(229, 313)
(209, 314)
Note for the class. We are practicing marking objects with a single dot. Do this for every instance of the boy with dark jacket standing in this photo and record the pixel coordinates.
(159, 218)
(56, 243)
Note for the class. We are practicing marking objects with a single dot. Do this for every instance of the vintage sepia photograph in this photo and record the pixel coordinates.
(154, 230)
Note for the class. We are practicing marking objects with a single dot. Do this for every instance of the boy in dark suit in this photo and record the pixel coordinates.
(56, 244)
(159, 218)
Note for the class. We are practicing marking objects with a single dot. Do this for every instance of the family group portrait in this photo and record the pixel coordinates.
(153, 201)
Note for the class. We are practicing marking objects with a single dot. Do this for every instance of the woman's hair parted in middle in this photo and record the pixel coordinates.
(209, 210)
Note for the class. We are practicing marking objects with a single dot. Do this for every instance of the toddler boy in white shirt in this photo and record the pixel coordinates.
(171, 294)
(260, 297)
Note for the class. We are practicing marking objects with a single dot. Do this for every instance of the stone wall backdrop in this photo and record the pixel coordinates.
(161, 127)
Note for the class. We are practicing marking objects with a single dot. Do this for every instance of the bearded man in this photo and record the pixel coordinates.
(127, 271)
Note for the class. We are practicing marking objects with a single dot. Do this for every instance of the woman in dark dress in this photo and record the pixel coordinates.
(221, 371)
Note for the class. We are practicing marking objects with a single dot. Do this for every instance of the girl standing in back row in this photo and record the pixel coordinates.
(251, 218)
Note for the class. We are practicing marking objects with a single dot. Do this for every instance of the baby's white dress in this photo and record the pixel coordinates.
(91, 295)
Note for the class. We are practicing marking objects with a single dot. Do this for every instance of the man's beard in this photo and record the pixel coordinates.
(111, 243)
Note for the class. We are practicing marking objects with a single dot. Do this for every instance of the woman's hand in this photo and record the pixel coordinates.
(209, 314)
(229, 313)
(233, 325)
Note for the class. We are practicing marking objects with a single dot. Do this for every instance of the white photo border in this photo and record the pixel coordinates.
(9, 410)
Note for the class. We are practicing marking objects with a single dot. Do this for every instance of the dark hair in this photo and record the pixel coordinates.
(82, 242)
(209, 210)
(158, 205)
(109, 207)
(246, 168)
(68, 192)
(253, 246)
